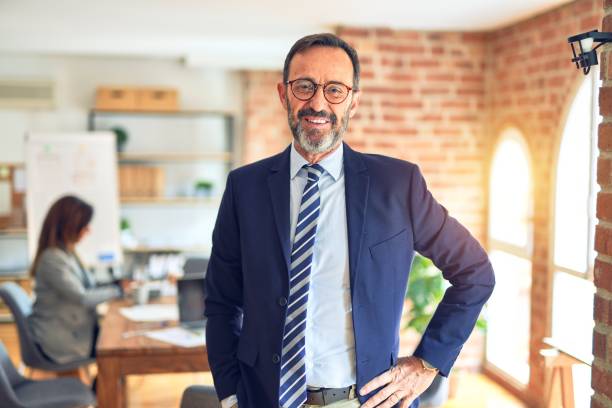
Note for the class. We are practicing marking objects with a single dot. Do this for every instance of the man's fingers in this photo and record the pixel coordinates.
(395, 398)
(406, 402)
(384, 378)
(381, 396)
(391, 401)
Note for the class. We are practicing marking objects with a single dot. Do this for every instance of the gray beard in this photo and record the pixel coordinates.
(311, 140)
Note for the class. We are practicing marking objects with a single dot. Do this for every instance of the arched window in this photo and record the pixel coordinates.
(510, 231)
(574, 225)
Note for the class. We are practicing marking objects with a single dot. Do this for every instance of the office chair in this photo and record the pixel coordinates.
(19, 392)
(20, 305)
(195, 266)
(200, 396)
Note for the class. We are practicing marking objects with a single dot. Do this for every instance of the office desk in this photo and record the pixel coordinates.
(118, 357)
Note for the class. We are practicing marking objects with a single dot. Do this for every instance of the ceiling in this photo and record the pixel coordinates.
(233, 34)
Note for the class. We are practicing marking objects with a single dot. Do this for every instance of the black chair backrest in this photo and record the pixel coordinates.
(9, 377)
(195, 267)
(20, 305)
(200, 396)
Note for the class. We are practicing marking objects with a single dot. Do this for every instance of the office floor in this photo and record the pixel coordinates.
(164, 390)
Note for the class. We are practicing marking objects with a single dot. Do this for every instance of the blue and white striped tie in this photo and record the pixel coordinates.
(292, 392)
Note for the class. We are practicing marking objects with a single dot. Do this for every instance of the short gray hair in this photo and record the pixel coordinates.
(323, 40)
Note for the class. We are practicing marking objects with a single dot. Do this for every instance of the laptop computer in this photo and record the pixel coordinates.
(191, 295)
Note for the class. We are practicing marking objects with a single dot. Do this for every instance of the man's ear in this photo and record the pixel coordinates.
(354, 103)
(282, 94)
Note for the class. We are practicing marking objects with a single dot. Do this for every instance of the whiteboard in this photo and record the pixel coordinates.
(82, 164)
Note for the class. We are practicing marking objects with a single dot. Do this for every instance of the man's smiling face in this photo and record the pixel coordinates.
(318, 125)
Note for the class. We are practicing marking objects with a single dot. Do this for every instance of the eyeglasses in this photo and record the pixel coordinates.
(304, 89)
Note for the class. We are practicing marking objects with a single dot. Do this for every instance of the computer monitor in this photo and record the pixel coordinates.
(191, 295)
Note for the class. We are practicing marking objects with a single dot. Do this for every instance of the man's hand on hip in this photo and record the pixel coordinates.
(404, 382)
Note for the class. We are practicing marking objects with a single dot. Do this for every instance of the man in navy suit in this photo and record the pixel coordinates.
(311, 254)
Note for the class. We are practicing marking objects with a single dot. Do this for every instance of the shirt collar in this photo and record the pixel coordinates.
(332, 164)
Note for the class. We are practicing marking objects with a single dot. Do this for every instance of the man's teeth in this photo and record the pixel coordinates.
(318, 121)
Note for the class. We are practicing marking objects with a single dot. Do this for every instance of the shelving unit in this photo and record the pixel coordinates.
(181, 149)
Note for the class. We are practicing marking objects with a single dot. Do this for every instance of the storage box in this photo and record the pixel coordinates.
(157, 99)
(116, 98)
(141, 181)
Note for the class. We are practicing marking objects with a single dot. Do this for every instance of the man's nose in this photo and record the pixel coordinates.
(318, 101)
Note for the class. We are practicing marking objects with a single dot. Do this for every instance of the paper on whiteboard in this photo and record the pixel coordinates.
(150, 313)
(179, 336)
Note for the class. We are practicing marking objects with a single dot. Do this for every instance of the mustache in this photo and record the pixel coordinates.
(322, 114)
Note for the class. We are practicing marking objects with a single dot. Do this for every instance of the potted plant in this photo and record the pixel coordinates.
(426, 288)
(203, 188)
(122, 137)
(127, 239)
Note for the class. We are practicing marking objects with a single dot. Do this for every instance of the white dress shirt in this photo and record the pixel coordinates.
(330, 340)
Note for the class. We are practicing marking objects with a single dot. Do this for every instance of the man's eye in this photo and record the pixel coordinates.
(335, 90)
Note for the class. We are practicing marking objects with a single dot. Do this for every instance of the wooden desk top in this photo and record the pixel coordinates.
(111, 342)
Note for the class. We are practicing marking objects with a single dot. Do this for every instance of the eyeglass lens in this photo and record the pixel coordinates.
(304, 89)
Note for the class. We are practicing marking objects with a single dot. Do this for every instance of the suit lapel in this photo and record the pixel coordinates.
(356, 187)
(278, 184)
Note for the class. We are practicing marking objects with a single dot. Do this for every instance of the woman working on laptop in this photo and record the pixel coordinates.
(63, 320)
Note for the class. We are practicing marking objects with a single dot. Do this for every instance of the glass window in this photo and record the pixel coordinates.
(576, 189)
(510, 226)
(510, 214)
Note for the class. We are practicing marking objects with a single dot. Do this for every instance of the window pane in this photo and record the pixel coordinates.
(508, 315)
(581, 374)
(510, 191)
(572, 327)
(572, 204)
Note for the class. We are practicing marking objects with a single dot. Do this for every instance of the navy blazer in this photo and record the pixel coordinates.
(390, 214)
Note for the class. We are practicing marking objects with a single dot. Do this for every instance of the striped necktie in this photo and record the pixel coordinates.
(292, 391)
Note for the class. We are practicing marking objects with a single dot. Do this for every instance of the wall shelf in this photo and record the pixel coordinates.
(170, 200)
(13, 232)
(188, 112)
(164, 249)
(174, 157)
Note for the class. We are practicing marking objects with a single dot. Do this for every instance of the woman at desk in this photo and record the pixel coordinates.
(63, 320)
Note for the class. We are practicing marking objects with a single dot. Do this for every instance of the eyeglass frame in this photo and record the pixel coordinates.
(323, 86)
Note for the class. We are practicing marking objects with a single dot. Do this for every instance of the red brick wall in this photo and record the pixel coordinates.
(602, 337)
(266, 131)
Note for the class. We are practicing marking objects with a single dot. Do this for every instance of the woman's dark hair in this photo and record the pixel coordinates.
(63, 224)
(323, 40)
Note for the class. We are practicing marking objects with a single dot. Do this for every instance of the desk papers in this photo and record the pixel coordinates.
(179, 336)
(150, 313)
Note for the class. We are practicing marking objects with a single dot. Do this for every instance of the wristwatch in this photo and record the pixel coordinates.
(427, 366)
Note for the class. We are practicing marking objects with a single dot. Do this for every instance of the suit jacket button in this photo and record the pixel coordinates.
(282, 301)
(275, 358)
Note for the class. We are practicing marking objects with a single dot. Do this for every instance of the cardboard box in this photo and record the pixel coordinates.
(116, 98)
(157, 99)
(141, 181)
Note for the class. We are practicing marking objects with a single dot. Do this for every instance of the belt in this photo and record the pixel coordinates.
(326, 396)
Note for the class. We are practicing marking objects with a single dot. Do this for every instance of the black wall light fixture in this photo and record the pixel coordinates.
(587, 55)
